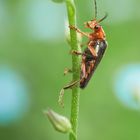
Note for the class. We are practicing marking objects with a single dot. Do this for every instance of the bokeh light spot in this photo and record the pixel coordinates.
(127, 86)
(14, 99)
(45, 19)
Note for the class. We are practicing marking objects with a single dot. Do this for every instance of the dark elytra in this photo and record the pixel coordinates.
(102, 44)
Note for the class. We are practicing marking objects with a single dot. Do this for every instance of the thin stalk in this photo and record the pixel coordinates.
(71, 11)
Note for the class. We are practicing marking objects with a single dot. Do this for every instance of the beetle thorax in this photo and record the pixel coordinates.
(99, 33)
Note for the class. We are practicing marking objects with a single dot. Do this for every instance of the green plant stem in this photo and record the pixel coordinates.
(75, 68)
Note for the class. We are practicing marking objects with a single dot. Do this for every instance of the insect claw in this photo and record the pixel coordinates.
(76, 52)
(72, 27)
(85, 24)
(72, 52)
(67, 70)
(79, 31)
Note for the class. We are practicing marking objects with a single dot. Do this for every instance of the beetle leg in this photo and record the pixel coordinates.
(76, 52)
(71, 84)
(79, 31)
(83, 68)
(90, 67)
(92, 50)
(79, 53)
(61, 94)
(83, 71)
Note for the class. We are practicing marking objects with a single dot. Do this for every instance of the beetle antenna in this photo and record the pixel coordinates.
(95, 5)
(103, 18)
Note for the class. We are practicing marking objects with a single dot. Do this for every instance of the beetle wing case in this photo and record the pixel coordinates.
(92, 62)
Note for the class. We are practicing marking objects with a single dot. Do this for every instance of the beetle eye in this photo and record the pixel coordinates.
(96, 27)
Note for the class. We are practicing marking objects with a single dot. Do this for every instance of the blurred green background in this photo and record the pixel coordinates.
(33, 46)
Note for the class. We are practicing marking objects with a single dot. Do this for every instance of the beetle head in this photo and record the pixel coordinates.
(94, 24)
